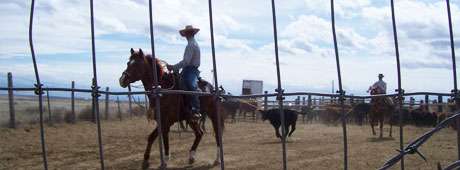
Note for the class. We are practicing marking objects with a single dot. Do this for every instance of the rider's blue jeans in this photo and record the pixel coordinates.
(190, 76)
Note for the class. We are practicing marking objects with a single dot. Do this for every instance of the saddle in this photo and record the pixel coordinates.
(203, 85)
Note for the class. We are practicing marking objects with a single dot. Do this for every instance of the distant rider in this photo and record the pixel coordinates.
(379, 86)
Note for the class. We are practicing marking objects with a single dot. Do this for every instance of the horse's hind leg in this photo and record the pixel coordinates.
(277, 131)
(198, 134)
(215, 126)
(203, 123)
(286, 131)
(391, 129)
(372, 127)
(150, 140)
(292, 129)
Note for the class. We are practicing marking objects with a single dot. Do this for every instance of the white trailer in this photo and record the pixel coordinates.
(252, 87)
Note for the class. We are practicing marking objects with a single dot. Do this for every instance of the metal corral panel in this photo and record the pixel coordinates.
(252, 87)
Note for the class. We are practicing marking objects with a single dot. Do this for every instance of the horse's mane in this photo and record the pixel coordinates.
(160, 69)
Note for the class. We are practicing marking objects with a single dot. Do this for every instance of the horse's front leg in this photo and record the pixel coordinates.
(277, 131)
(166, 141)
(150, 140)
(198, 134)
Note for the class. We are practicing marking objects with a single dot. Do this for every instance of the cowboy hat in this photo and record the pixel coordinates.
(381, 75)
(189, 30)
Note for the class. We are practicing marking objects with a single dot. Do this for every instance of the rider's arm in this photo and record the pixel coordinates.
(188, 55)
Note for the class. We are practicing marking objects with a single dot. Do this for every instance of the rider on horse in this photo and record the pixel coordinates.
(379, 87)
(189, 66)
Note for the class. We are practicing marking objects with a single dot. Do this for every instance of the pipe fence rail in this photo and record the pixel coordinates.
(155, 91)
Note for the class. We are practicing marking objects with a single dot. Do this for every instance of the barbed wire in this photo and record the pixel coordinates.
(454, 165)
(412, 147)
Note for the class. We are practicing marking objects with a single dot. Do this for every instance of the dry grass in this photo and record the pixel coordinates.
(27, 111)
(247, 146)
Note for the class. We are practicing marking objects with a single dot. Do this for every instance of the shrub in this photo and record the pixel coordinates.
(138, 110)
(69, 117)
(86, 114)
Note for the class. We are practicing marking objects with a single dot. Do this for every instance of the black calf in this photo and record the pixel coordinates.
(290, 117)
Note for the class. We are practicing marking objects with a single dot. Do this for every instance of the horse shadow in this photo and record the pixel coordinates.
(271, 142)
(378, 139)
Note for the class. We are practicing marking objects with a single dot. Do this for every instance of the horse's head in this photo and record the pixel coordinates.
(264, 114)
(139, 67)
(376, 90)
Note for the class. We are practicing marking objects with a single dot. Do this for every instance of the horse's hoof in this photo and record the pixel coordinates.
(216, 162)
(163, 166)
(191, 160)
(145, 165)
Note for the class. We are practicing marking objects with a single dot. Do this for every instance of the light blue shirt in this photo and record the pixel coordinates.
(381, 85)
(191, 55)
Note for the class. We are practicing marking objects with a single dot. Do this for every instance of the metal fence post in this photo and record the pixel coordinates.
(38, 86)
(95, 89)
(93, 102)
(265, 100)
(216, 86)
(440, 103)
(50, 122)
(107, 100)
(427, 102)
(119, 109)
(399, 90)
(72, 103)
(340, 91)
(454, 71)
(279, 89)
(130, 108)
(156, 90)
(11, 101)
(146, 103)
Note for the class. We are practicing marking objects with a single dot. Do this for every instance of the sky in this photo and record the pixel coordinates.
(243, 38)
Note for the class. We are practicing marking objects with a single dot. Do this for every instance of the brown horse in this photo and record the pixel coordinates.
(381, 108)
(173, 107)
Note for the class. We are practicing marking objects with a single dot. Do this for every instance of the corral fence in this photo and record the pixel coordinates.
(279, 91)
(310, 104)
(69, 109)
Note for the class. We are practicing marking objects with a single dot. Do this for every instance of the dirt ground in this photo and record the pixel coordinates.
(247, 145)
